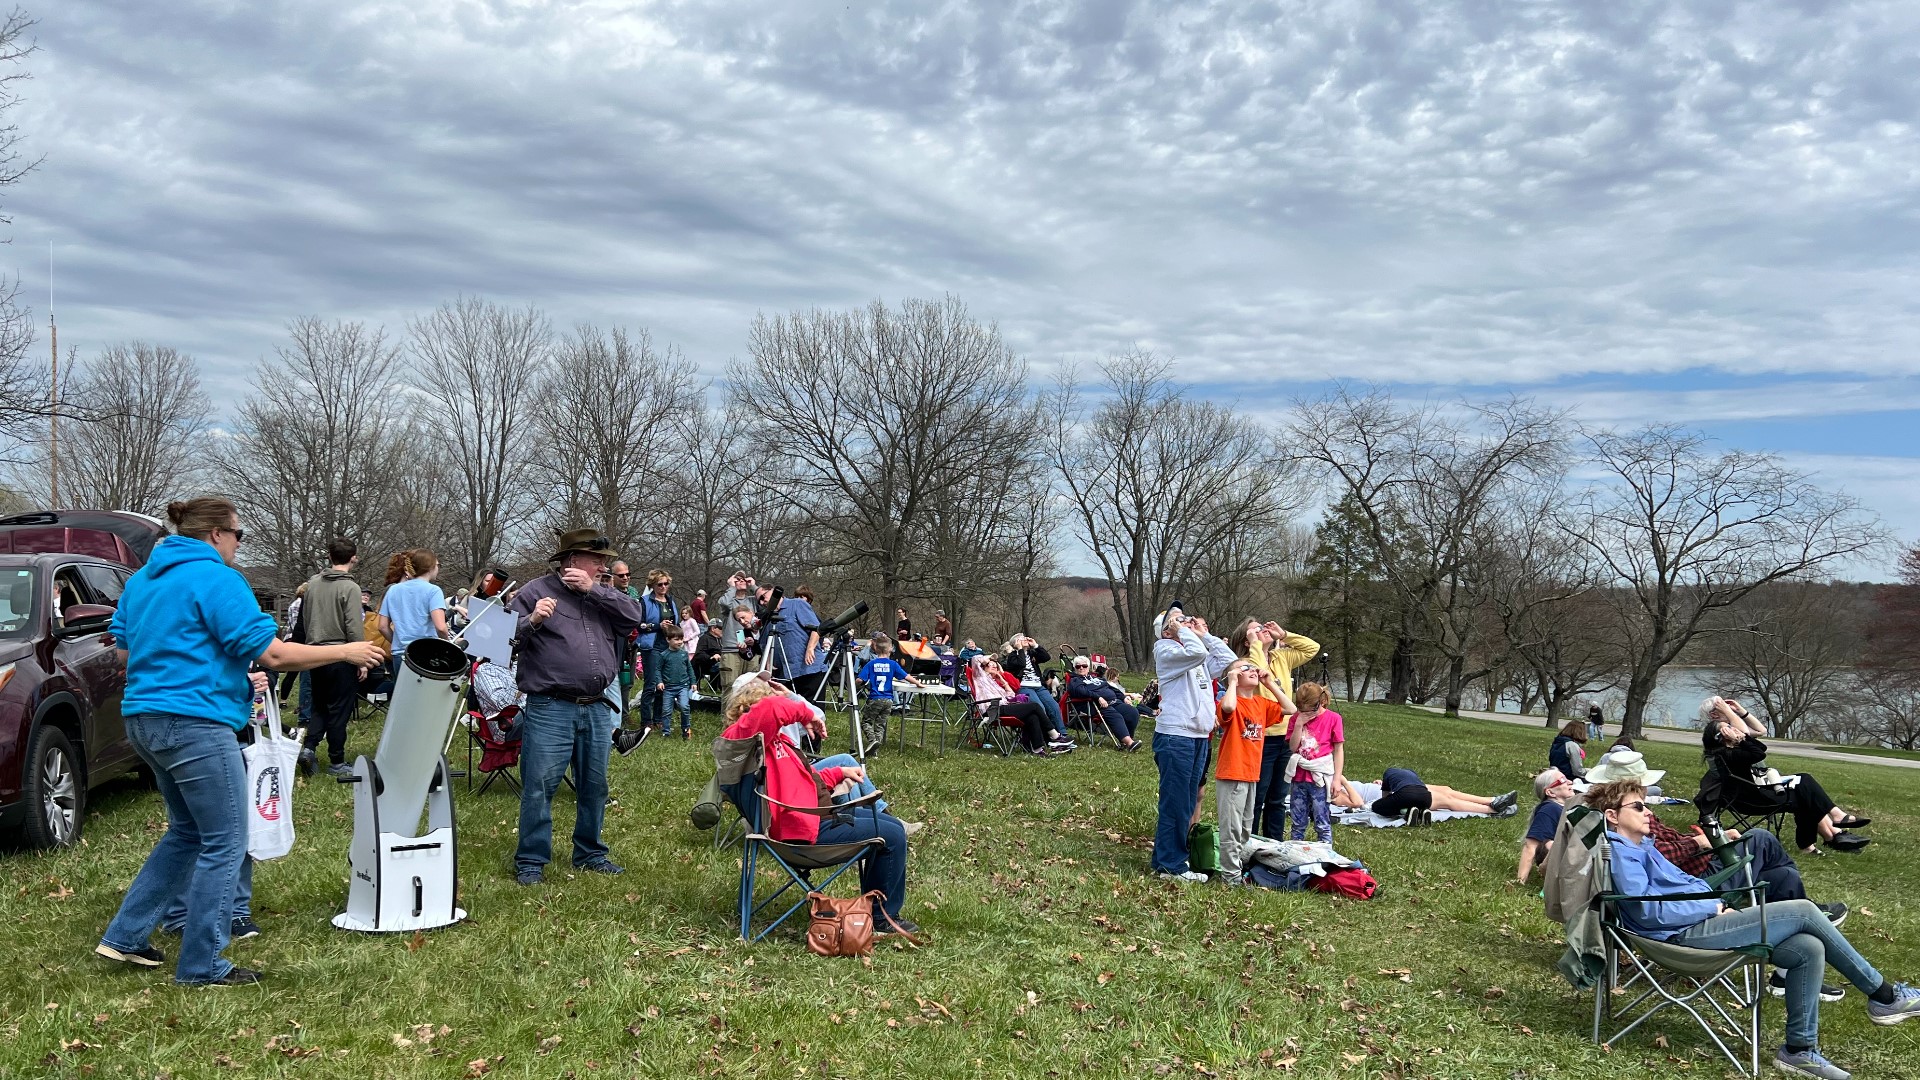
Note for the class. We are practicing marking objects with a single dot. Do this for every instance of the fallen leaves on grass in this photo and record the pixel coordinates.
(548, 1045)
(1405, 975)
(418, 939)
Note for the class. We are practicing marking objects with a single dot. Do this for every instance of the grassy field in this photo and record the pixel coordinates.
(1051, 952)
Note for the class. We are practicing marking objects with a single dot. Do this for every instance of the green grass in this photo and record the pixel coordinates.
(1051, 950)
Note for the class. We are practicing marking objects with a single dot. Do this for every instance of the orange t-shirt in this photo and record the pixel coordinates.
(1242, 732)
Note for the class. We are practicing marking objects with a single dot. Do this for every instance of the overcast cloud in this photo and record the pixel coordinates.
(1689, 211)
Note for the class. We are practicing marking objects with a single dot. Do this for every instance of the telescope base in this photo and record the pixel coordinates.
(400, 883)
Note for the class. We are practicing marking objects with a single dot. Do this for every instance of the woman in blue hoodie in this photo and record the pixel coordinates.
(191, 626)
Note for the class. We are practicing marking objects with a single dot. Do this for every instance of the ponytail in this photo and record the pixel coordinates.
(198, 518)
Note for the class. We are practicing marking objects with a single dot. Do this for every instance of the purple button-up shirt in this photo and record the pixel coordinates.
(576, 652)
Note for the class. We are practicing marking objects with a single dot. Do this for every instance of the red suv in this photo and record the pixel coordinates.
(61, 732)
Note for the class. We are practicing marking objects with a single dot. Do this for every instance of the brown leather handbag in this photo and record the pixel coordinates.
(845, 927)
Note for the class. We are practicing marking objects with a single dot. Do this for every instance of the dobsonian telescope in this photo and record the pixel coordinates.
(403, 876)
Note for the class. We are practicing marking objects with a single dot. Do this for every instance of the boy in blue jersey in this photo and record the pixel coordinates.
(878, 675)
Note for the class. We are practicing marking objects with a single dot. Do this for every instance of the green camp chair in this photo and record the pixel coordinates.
(1720, 988)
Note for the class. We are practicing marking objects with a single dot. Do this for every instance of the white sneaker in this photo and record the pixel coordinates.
(1190, 875)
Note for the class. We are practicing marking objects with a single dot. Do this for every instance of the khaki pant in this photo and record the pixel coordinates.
(732, 666)
(1235, 798)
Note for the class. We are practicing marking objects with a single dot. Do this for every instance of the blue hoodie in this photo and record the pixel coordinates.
(190, 626)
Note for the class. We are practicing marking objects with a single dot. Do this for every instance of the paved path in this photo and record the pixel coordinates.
(1691, 738)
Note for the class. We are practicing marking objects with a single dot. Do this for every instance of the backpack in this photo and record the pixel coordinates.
(1203, 848)
(1352, 881)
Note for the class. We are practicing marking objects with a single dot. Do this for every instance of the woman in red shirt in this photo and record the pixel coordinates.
(791, 780)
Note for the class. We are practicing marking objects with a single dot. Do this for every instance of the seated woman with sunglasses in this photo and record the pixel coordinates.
(1805, 941)
(992, 685)
(1730, 743)
(1120, 716)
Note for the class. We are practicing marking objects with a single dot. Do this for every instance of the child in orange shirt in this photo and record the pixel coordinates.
(1243, 718)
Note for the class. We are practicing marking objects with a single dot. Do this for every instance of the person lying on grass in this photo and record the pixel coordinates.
(1805, 941)
(765, 709)
(1404, 795)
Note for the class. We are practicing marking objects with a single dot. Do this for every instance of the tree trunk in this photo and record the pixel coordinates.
(1401, 687)
(1456, 680)
(1366, 682)
(1639, 692)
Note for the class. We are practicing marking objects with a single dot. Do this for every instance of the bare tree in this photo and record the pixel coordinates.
(136, 419)
(881, 418)
(1681, 533)
(483, 364)
(1165, 488)
(1792, 652)
(319, 449)
(1891, 716)
(607, 422)
(27, 399)
(1423, 482)
(705, 500)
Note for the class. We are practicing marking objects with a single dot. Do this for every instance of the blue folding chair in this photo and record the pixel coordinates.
(742, 775)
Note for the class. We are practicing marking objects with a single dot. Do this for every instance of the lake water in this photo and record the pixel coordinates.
(1675, 703)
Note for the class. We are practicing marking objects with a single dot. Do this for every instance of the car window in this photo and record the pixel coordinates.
(106, 582)
(67, 590)
(16, 602)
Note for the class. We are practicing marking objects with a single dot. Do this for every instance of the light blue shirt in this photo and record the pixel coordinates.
(411, 604)
(1640, 870)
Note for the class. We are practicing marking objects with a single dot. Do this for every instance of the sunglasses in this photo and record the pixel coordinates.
(238, 534)
(1635, 805)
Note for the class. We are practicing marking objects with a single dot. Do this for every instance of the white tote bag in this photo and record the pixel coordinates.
(270, 764)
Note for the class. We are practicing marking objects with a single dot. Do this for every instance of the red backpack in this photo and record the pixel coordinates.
(1350, 881)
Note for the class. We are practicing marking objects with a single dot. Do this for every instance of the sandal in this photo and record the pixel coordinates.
(1851, 822)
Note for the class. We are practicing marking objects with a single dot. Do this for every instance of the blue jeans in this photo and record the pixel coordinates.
(652, 703)
(884, 870)
(306, 700)
(1270, 794)
(555, 734)
(203, 782)
(677, 703)
(175, 920)
(1183, 768)
(1310, 803)
(861, 788)
(1804, 943)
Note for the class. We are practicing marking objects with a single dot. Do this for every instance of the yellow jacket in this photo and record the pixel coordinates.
(1279, 663)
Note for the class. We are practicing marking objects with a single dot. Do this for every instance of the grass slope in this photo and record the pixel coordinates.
(1052, 951)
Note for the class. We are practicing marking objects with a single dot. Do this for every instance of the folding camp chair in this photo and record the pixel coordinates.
(499, 754)
(1748, 804)
(1083, 714)
(1700, 982)
(742, 776)
(987, 728)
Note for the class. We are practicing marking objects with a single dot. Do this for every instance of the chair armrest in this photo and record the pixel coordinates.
(1728, 871)
(1717, 894)
(824, 811)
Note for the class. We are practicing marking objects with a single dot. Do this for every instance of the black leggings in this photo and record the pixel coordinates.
(1033, 722)
(1807, 802)
(1406, 797)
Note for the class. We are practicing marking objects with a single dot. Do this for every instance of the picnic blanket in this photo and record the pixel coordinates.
(1368, 793)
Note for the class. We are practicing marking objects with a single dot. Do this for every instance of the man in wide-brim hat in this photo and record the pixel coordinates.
(569, 643)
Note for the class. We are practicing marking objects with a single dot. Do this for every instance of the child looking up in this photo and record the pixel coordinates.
(878, 675)
(1243, 718)
(1319, 754)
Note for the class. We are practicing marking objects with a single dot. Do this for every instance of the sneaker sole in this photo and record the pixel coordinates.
(1795, 1070)
(1889, 1021)
(1828, 999)
(135, 959)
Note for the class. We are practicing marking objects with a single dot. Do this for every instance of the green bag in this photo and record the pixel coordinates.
(707, 808)
(1203, 848)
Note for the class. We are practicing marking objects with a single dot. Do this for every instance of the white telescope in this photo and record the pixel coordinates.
(403, 874)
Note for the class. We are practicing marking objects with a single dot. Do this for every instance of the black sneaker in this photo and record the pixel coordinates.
(882, 928)
(309, 763)
(532, 876)
(626, 741)
(1836, 912)
(1500, 803)
(145, 957)
(242, 929)
(238, 976)
(1777, 986)
(601, 866)
(342, 769)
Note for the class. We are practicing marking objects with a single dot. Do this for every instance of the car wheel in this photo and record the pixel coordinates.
(56, 794)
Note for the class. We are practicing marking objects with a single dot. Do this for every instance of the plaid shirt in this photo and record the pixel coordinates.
(1680, 849)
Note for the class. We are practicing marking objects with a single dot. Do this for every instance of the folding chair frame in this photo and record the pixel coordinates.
(799, 861)
(510, 773)
(1671, 987)
(1087, 712)
(989, 728)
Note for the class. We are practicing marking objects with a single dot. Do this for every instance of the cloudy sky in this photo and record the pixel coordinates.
(1694, 211)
